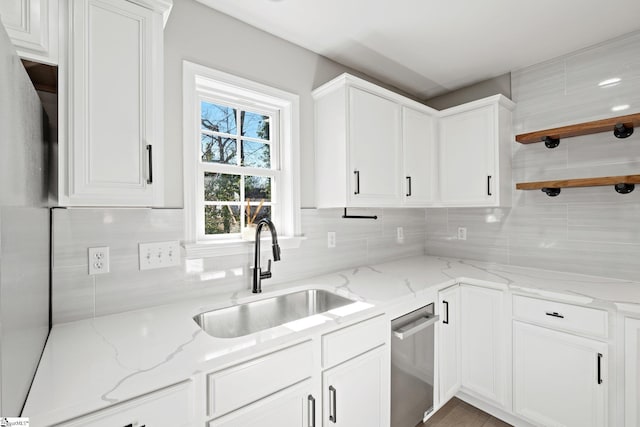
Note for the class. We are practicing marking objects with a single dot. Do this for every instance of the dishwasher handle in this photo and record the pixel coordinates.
(415, 326)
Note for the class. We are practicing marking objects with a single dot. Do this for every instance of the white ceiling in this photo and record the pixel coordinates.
(427, 47)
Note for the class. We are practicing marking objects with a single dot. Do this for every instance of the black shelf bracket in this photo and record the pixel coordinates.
(624, 188)
(551, 192)
(551, 142)
(346, 216)
(622, 131)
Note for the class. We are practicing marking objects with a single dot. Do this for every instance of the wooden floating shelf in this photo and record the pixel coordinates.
(623, 184)
(596, 126)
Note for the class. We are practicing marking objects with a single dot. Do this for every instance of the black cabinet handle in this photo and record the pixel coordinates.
(554, 314)
(489, 185)
(357, 174)
(332, 404)
(409, 182)
(311, 402)
(446, 312)
(150, 179)
(599, 362)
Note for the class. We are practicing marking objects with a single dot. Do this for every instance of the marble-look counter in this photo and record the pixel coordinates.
(91, 364)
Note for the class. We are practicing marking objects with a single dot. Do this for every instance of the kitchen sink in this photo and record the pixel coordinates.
(245, 319)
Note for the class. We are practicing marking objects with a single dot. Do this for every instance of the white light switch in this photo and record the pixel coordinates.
(159, 254)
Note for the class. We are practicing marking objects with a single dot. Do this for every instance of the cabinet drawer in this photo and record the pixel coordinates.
(558, 315)
(169, 406)
(351, 341)
(245, 383)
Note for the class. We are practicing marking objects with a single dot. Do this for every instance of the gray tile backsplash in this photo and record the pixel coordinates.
(584, 230)
(76, 295)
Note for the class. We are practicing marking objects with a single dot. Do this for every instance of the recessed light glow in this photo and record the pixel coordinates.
(620, 107)
(610, 82)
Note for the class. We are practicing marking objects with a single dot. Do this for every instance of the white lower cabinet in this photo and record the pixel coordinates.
(353, 392)
(632, 372)
(449, 343)
(171, 406)
(472, 344)
(559, 379)
(483, 350)
(343, 374)
(292, 407)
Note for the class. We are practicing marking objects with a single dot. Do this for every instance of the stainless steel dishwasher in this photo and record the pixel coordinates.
(412, 367)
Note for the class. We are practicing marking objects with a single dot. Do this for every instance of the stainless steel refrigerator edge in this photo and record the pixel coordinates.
(24, 231)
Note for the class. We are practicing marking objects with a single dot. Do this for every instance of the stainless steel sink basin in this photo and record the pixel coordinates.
(244, 319)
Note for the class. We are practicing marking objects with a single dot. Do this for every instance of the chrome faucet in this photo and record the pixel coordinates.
(258, 275)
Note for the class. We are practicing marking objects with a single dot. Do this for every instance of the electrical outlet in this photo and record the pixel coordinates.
(98, 260)
(331, 239)
(159, 254)
(462, 233)
(400, 234)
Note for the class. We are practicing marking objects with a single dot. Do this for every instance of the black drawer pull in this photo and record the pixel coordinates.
(554, 314)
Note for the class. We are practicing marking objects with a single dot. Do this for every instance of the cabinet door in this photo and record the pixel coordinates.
(449, 343)
(482, 326)
(374, 141)
(418, 154)
(559, 379)
(354, 393)
(115, 98)
(33, 28)
(292, 407)
(467, 147)
(632, 372)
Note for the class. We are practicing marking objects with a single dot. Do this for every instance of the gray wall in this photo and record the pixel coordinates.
(24, 231)
(496, 85)
(585, 230)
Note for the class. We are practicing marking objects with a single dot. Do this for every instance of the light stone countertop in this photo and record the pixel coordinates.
(90, 364)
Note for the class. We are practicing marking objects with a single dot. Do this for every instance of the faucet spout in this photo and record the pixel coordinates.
(258, 275)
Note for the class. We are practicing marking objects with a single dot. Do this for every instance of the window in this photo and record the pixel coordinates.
(239, 165)
(240, 156)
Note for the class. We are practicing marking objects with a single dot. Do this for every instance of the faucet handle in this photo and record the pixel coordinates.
(266, 274)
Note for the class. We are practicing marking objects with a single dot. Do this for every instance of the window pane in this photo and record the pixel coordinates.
(256, 154)
(221, 187)
(218, 118)
(221, 219)
(255, 125)
(218, 149)
(257, 188)
(252, 218)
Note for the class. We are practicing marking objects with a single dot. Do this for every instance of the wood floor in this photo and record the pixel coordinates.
(457, 413)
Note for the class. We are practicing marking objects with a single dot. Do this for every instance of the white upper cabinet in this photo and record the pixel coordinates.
(474, 145)
(32, 26)
(418, 153)
(374, 149)
(112, 154)
(368, 141)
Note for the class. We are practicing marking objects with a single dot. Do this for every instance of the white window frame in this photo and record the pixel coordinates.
(200, 82)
